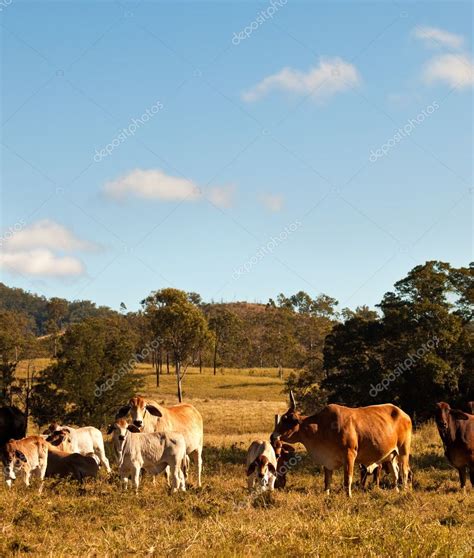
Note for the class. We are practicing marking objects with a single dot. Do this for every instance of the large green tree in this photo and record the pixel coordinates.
(93, 374)
(180, 326)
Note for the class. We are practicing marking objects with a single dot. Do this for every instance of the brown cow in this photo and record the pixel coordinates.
(286, 458)
(456, 430)
(65, 464)
(25, 457)
(339, 436)
(185, 419)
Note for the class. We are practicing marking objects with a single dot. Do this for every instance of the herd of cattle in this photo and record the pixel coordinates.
(166, 439)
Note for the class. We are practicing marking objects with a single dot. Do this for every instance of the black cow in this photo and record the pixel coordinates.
(12, 424)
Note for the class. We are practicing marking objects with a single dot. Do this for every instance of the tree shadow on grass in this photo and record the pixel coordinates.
(430, 460)
(248, 384)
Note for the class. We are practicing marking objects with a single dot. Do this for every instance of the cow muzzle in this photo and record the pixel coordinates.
(138, 423)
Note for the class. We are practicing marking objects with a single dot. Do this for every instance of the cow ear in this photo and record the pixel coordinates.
(123, 411)
(154, 411)
(20, 455)
(251, 468)
(110, 428)
(133, 428)
(459, 415)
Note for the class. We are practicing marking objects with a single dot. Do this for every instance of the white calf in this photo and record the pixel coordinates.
(261, 465)
(152, 452)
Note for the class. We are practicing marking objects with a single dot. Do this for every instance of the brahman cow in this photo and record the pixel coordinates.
(64, 464)
(286, 459)
(27, 457)
(79, 440)
(339, 436)
(261, 465)
(12, 424)
(149, 416)
(456, 430)
(150, 451)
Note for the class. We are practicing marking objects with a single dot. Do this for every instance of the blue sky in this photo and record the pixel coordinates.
(270, 160)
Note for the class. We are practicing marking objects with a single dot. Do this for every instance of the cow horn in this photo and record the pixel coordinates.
(292, 400)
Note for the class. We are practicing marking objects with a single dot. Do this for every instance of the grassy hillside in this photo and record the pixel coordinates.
(221, 519)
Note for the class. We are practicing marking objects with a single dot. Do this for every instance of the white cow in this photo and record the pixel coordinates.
(27, 457)
(79, 440)
(261, 465)
(149, 416)
(152, 451)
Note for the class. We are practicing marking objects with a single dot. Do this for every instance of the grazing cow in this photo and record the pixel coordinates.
(64, 464)
(27, 457)
(12, 424)
(148, 416)
(285, 455)
(261, 465)
(79, 440)
(339, 436)
(151, 451)
(456, 430)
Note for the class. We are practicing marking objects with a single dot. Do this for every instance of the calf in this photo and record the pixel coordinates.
(456, 430)
(261, 465)
(389, 465)
(151, 451)
(79, 440)
(64, 464)
(285, 455)
(28, 456)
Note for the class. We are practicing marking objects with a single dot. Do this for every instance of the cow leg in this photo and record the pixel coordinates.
(404, 469)
(125, 483)
(363, 476)
(349, 461)
(393, 469)
(176, 477)
(250, 482)
(327, 480)
(197, 458)
(462, 477)
(136, 478)
(100, 452)
(271, 482)
(167, 475)
(471, 475)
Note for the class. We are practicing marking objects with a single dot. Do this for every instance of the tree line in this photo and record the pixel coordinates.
(414, 349)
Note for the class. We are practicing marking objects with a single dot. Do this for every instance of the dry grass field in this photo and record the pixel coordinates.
(221, 519)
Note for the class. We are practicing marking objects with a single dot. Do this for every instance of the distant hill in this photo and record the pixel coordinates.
(36, 307)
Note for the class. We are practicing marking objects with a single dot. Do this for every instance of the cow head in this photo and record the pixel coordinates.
(13, 460)
(289, 423)
(120, 429)
(60, 438)
(138, 407)
(263, 469)
(442, 417)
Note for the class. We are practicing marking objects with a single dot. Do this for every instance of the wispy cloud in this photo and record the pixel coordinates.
(154, 184)
(40, 249)
(457, 70)
(330, 76)
(221, 196)
(272, 202)
(46, 234)
(41, 262)
(436, 37)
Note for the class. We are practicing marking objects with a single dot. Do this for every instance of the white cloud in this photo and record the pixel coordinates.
(221, 196)
(41, 262)
(46, 234)
(435, 37)
(457, 70)
(331, 76)
(152, 185)
(272, 202)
